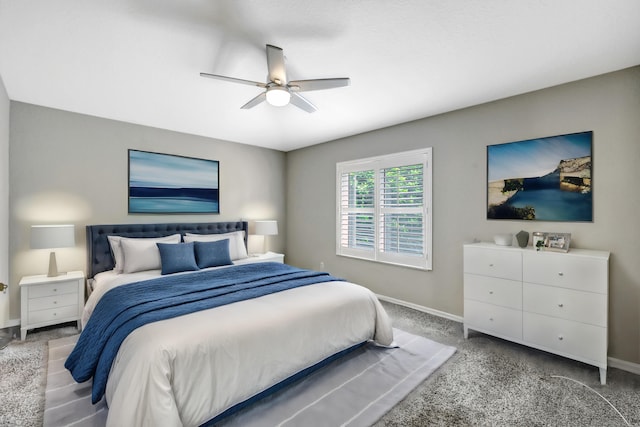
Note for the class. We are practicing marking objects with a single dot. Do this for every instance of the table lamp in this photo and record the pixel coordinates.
(266, 228)
(52, 237)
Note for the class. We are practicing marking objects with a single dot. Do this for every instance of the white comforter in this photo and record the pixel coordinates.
(186, 370)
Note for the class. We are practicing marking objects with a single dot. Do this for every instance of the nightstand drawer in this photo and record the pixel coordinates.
(39, 291)
(53, 302)
(53, 314)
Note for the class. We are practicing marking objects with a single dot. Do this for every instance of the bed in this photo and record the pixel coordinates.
(196, 368)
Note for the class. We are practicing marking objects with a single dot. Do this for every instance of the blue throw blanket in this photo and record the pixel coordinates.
(125, 308)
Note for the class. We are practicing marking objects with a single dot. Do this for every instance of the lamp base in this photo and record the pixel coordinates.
(53, 266)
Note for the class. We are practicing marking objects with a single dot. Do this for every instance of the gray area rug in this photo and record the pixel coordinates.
(66, 401)
(21, 377)
(355, 390)
(23, 372)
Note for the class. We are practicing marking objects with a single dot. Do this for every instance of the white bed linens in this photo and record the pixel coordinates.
(186, 370)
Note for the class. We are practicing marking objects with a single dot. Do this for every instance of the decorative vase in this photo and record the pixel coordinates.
(523, 238)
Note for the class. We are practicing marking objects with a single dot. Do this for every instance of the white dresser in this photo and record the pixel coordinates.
(50, 300)
(553, 301)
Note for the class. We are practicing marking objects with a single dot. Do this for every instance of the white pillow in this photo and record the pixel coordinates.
(116, 250)
(138, 254)
(237, 249)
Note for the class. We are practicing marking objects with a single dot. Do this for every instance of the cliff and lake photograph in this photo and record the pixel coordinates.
(545, 179)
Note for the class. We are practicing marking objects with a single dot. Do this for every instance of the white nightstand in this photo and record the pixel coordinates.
(267, 257)
(270, 257)
(50, 300)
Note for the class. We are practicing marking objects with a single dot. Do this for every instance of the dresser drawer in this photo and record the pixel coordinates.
(55, 301)
(500, 321)
(39, 291)
(587, 343)
(503, 292)
(53, 314)
(585, 307)
(559, 269)
(505, 264)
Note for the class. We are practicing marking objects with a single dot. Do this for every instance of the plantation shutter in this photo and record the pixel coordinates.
(401, 210)
(357, 223)
(383, 209)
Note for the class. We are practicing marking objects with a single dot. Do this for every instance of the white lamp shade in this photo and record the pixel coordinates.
(278, 96)
(52, 236)
(266, 228)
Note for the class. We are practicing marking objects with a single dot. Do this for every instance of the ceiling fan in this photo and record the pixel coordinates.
(279, 91)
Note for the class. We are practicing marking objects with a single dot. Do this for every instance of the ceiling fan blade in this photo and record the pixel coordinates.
(318, 84)
(275, 65)
(234, 80)
(255, 101)
(302, 103)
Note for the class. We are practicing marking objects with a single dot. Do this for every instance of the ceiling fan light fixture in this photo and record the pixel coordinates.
(278, 96)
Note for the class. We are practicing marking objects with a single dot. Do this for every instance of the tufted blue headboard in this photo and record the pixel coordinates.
(99, 253)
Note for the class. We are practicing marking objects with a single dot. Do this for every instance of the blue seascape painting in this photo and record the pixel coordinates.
(545, 179)
(165, 183)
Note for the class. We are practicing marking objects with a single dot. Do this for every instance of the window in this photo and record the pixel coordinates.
(384, 208)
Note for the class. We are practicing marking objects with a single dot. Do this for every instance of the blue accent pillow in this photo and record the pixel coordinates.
(177, 257)
(213, 254)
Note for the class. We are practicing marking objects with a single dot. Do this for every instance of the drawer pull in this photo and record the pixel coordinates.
(490, 265)
(491, 319)
(55, 302)
(560, 337)
(560, 305)
(55, 289)
(561, 274)
(490, 292)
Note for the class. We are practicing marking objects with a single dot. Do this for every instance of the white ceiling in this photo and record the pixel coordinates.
(139, 60)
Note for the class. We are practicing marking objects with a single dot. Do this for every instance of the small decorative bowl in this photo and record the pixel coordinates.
(503, 239)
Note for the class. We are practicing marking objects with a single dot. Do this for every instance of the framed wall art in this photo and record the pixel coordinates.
(544, 179)
(166, 183)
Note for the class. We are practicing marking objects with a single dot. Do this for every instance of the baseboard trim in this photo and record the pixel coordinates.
(11, 323)
(634, 368)
(612, 362)
(421, 308)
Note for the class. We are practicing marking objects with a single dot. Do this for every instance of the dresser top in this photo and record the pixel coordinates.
(531, 249)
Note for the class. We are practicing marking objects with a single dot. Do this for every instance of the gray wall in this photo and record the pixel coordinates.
(609, 105)
(72, 168)
(4, 201)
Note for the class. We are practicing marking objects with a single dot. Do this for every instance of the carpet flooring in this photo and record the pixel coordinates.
(487, 382)
(492, 382)
(355, 390)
